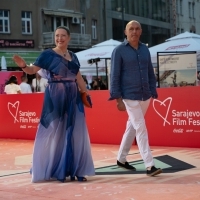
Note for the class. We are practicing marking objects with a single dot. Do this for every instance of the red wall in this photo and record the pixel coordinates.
(172, 120)
(14, 110)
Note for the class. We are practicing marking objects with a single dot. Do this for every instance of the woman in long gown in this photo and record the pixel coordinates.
(62, 144)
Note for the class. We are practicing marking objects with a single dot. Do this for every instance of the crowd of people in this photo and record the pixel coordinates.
(38, 84)
(96, 84)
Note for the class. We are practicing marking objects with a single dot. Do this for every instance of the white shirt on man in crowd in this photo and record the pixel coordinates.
(39, 84)
(25, 87)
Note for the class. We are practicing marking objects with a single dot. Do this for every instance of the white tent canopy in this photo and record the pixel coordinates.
(103, 51)
(182, 42)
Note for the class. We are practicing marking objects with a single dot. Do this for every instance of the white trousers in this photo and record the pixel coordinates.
(136, 127)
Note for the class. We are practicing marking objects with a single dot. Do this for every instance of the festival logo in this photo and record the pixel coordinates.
(13, 109)
(21, 116)
(162, 108)
(181, 118)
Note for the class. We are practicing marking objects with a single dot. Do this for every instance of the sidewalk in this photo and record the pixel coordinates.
(180, 179)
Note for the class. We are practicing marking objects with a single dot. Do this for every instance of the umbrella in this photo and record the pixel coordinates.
(102, 50)
(182, 42)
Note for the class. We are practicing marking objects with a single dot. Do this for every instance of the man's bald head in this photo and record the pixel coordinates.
(133, 32)
(131, 22)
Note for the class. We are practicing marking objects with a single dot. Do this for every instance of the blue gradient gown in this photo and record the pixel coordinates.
(62, 144)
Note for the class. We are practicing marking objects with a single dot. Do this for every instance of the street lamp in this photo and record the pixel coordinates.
(94, 60)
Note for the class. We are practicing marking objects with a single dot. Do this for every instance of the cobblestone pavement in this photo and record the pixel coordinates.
(180, 179)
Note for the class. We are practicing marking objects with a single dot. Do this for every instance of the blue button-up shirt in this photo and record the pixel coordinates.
(132, 75)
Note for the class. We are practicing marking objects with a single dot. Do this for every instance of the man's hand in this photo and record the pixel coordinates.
(120, 105)
(154, 96)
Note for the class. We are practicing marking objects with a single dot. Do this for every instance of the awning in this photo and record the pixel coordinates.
(29, 57)
(62, 12)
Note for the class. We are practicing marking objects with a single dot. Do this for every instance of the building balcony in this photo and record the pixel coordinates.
(82, 41)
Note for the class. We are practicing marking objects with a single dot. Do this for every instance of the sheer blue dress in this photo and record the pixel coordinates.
(62, 144)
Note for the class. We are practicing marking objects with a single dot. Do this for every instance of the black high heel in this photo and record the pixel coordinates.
(72, 178)
(79, 178)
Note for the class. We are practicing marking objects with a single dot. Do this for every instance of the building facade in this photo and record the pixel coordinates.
(36, 20)
(187, 16)
(154, 16)
(28, 25)
(29, 28)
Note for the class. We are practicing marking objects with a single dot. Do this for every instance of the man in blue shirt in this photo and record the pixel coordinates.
(132, 84)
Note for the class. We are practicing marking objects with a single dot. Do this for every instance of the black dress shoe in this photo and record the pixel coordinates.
(154, 171)
(126, 166)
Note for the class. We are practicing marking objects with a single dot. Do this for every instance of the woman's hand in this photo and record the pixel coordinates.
(19, 61)
(81, 83)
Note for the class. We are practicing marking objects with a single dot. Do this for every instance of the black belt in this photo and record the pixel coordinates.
(58, 80)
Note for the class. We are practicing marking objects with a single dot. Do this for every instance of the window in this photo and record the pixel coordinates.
(4, 21)
(181, 7)
(191, 9)
(94, 29)
(26, 23)
(189, 6)
(177, 7)
(160, 10)
(193, 4)
(58, 21)
(82, 26)
(65, 22)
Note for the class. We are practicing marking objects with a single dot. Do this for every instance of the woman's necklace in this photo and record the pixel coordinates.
(64, 54)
